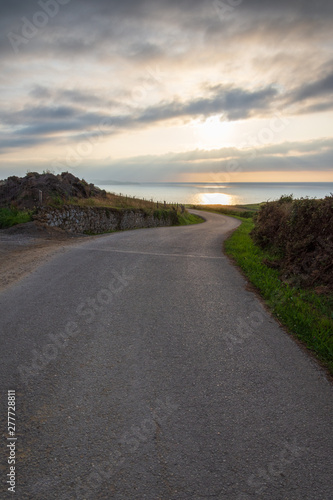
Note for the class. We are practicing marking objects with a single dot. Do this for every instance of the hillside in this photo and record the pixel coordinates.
(24, 192)
(65, 189)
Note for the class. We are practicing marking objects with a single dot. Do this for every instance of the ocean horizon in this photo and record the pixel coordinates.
(233, 193)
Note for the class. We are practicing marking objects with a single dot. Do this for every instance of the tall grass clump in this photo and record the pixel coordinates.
(11, 216)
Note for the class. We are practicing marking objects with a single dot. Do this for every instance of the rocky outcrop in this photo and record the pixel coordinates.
(42, 189)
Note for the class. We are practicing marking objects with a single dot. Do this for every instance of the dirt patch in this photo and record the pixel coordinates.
(26, 246)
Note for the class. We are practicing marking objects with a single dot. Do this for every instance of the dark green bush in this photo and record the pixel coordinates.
(301, 232)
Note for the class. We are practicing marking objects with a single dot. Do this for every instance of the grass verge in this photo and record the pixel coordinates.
(112, 200)
(186, 219)
(306, 314)
(244, 211)
(10, 217)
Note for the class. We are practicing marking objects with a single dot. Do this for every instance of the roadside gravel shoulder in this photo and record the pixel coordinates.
(26, 246)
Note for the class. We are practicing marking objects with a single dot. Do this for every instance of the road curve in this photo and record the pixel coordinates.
(144, 369)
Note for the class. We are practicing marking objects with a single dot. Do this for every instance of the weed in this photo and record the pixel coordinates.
(11, 216)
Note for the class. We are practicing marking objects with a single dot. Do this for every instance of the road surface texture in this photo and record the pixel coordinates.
(145, 369)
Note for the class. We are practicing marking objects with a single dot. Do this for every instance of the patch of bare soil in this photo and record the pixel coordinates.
(26, 246)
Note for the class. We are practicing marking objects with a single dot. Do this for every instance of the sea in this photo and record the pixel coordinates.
(198, 193)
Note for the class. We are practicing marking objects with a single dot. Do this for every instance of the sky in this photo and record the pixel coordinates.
(168, 91)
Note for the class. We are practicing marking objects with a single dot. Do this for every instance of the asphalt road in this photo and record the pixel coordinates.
(145, 369)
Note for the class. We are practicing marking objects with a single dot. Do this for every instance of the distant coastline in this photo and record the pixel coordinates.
(114, 183)
(233, 193)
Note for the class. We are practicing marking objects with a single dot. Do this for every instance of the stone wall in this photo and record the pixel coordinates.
(100, 220)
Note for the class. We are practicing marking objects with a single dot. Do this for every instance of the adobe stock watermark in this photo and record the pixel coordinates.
(154, 76)
(276, 125)
(224, 9)
(88, 310)
(128, 444)
(75, 155)
(266, 135)
(245, 328)
(275, 469)
(31, 28)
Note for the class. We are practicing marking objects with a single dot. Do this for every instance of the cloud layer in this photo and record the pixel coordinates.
(71, 69)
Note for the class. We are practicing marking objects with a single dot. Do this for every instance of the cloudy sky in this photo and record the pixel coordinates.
(173, 90)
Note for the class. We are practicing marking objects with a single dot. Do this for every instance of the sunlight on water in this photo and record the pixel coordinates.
(214, 199)
(218, 194)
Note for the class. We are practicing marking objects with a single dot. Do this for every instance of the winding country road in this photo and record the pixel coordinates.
(145, 369)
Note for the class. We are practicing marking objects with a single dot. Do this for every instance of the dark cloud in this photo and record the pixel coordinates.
(40, 92)
(305, 7)
(234, 103)
(316, 89)
(85, 42)
(73, 96)
(9, 142)
(37, 125)
(144, 51)
(315, 96)
(86, 25)
(38, 114)
(284, 157)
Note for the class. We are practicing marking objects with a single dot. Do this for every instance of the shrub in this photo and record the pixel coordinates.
(301, 233)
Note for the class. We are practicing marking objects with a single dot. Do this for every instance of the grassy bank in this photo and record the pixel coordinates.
(10, 217)
(111, 200)
(306, 314)
(244, 211)
(186, 219)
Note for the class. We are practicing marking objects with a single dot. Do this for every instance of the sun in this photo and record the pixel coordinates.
(214, 199)
(213, 133)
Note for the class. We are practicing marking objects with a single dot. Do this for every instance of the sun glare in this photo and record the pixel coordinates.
(213, 133)
(214, 199)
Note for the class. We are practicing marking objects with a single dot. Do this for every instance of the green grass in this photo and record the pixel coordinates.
(186, 218)
(306, 314)
(10, 217)
(243, 211)
(112, 200)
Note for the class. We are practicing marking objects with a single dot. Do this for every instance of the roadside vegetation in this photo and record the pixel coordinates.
(285, 250)
(186, 219)
(300, 232)
(112, 200)
(11, 216)
(21, 197)
(243, 211)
